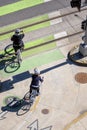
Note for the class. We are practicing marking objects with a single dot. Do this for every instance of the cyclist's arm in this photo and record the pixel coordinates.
(22, 35)
(42, 79)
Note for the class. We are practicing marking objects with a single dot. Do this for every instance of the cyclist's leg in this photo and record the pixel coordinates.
(38, 90)
(15, 49)
(30, 89)
(19, 57)
(22, 46)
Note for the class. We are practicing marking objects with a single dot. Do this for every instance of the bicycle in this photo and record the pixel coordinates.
(27, 102)
(13, 65)
(10, 51)
(21, 106)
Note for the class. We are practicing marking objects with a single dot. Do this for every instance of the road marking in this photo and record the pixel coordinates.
(29, 115)
(47, 0)
(35, 104)
(68, 126)
(31, 62)
(35, 126)
(55, 14)
(59, 35)
(10, 8)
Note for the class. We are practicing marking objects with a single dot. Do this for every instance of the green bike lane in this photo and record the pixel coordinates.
(19, 5)
(32, 62)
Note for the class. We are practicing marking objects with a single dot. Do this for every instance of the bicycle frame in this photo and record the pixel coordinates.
(32, 96)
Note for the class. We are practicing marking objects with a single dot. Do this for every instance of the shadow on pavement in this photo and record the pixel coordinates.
(5, 61)
(15, 104)
(56, 66)
(8, 84)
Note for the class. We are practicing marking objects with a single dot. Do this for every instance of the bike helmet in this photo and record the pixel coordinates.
(17, 31)
(36, 71)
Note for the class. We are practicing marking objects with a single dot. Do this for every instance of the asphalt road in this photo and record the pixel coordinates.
(32, 11)
(5, 2)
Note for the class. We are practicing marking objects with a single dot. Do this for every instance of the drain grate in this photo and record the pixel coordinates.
(81, 77)
(45, 111)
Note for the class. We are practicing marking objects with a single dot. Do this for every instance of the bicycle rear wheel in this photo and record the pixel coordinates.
(24, 109)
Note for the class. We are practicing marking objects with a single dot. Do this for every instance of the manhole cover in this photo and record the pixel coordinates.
(81, 77)
(45, 111)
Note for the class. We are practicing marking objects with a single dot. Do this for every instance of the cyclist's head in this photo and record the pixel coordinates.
(36, 71)
(17, 31)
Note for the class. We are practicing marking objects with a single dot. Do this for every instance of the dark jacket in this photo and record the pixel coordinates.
(17, 39)
(36, 80)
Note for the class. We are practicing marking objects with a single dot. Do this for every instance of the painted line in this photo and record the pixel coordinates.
(47, 0)
(26, 30)
(37, 42)
(23, 23)
(68, 126)
(35, 104)
(18, 6)
(55, 14)
(59, 35)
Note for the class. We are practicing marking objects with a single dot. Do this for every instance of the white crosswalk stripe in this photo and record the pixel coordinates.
(59, 35)
(55, 14)
(47, 0)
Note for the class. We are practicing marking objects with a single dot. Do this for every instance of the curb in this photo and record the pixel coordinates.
(75, 56)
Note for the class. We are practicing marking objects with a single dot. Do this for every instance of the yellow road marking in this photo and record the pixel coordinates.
(75, 120)
(35, 104)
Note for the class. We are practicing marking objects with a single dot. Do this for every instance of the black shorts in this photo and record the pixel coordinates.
(18, 47)
(34, 88)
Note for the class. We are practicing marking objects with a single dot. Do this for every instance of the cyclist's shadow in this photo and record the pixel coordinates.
(20, 106)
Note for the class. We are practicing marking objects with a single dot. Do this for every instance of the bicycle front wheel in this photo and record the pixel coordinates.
(11, 67)
(9, 49)
(27, 95)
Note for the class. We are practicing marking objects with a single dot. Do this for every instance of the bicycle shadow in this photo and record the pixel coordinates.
(4, 61)
(7, 57)
(17, 106)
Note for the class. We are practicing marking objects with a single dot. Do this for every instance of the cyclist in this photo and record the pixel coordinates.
(36, 80)
(17, 40)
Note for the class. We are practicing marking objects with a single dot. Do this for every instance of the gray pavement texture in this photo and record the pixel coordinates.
(61, 94)
(5, 2)
(33, 11)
